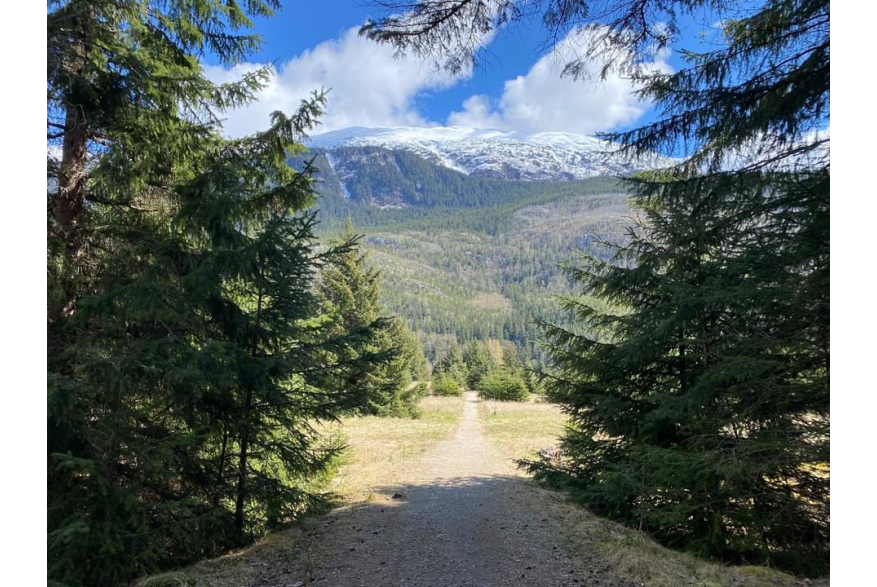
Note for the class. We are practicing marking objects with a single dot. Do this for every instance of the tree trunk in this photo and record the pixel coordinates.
(70, 199)
(242, 469)
(245, 431)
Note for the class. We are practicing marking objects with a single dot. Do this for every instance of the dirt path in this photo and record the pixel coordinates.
(462, 517)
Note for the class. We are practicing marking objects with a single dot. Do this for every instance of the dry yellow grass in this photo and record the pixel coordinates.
(633, 555)
(518, 429)
(491, 301)
(378, 447)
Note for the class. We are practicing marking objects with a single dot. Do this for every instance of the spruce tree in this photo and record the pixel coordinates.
(479, 363)
(184, 333)
(350, 288)
(350, 292)
(700, 408)
(445, 385)
(507, 381)
(503, 386)
(701, 405)
(452, 365)
(511, 362)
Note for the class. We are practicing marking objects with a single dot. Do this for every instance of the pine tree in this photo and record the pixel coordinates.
(696, 376)
(452, 366)
(507, 381)
(479, 363)
(350, 291)
(183, 327)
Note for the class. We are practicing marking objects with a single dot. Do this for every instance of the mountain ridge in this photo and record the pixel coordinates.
(496, 154)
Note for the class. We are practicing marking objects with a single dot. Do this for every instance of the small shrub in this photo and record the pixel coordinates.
(446, 385)
(501, 385)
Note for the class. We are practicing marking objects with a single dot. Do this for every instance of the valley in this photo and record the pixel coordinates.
(465, 257)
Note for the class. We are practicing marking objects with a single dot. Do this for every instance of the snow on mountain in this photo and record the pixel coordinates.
(547, 156)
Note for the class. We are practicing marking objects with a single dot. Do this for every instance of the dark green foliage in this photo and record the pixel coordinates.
(450, 373)
(349, 288)
(445, 384)
(180, 425)
(701, 405)
(452, 365)
(350, 292)
(510, 361)
(505, 382)
(477, 368)
(183, 330)
(503, 385)
(405, 373)
(713, 384)
(479, 363)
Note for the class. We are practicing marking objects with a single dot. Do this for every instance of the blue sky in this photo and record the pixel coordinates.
(314, 44)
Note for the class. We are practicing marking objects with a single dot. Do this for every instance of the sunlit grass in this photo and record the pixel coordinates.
(519, 429)
(377, 448)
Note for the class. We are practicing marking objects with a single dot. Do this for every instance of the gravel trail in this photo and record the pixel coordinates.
(461, 518)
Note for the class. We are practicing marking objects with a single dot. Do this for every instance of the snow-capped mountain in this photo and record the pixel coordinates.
(547, 156)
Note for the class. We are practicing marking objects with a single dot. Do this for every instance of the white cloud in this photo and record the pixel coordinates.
(369, 86)
(542, 100)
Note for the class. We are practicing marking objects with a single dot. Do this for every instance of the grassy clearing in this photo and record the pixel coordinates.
(249, 566)
(377, 449)
(518, 429)
(491, 301)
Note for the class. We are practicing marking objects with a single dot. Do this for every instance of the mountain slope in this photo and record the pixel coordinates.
(463, 257)
(397, 184)
(550, 156)
(454, 280)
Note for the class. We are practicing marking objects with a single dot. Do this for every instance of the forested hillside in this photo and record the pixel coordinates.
(466, 258)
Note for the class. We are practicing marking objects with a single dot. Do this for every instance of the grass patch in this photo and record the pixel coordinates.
(379, 447)
(634, 555)
(518, 429)
(491, 301)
